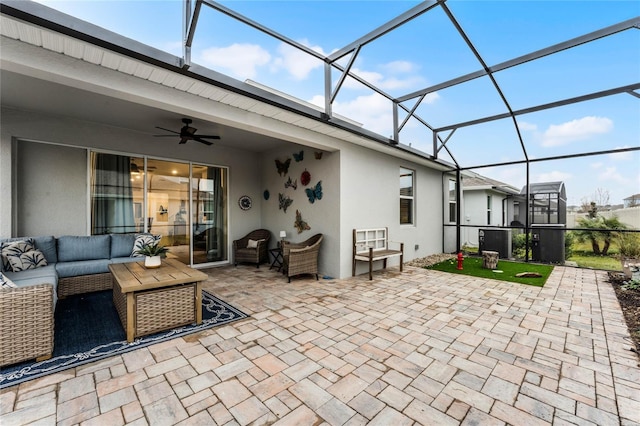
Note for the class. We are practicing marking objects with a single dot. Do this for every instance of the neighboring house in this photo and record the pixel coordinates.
(485, 202)
(78, 155)
(631, 201)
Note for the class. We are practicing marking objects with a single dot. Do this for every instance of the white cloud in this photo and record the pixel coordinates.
(524, 126)
(296, 62)
(396, 67)
(597, 165)
(576, 130)
(621, 156)
(373, 111)
(612, 174)
(242, 60)
(397, 75)
(553, 176)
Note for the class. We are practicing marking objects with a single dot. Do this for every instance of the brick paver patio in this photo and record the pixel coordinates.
(421, 347)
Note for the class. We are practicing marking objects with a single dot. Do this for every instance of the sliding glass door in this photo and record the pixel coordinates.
(184, 203)
(209, 201)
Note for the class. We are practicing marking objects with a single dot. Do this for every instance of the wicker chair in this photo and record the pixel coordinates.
(301, 258)
(258, 255)
(26, 314)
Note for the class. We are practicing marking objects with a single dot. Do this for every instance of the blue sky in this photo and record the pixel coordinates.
(427, 51)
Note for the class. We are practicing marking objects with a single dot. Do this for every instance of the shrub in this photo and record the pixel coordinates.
(628, 245)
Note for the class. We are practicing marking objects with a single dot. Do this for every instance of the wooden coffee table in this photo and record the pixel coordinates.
(152, 300)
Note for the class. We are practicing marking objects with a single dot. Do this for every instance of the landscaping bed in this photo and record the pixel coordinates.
(629, 299)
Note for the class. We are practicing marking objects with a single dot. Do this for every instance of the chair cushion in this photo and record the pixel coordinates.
(31, 259)
(122, 245)
(251, 244)
(73, 248)
(82, 267)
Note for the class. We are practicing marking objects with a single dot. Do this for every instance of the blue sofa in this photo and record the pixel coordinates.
(75, 265)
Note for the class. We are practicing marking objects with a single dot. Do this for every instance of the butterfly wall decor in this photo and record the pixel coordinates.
(314, 193)
(285, 202)
(300, 224)
(298, 156)
(283, 166)
(289, 184)
(318, 155)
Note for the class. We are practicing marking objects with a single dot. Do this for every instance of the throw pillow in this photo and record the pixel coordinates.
(5, 282)
(31, 259)
(143, 240)
(10, 249)
(252, 244)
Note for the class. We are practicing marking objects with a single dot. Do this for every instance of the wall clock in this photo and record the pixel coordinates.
(245, 202)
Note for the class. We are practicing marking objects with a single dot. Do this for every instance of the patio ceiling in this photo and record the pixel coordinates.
(487, 85)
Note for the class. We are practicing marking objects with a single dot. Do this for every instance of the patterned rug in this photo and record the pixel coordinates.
(87, 329)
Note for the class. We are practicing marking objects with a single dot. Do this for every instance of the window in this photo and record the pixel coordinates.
(406, 196)
(488, 209)
(452, 200)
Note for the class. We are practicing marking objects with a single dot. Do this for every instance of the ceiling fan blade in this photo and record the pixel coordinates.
(198, 139)
(167, 130)
(208, 136)
(184, 140)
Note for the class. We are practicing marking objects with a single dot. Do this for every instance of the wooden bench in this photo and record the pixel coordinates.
(370, 245)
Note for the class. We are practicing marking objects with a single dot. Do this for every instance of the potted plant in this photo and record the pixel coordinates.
(153, 254)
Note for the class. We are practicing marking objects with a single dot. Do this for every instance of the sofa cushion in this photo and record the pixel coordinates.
(122, 245)
(45, 275)
(126, 259)
(73, 248)
(47, 245)
(143, 240)
(5, 282)
(31, 259)
(82, 267)
(14, 249)
(4, 243)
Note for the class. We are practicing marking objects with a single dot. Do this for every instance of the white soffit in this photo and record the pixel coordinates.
(84, 51)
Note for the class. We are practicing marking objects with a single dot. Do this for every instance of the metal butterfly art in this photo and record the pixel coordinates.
(298, 156)
(283, 167)
(300, 224)
(314, 193)
(285, 202)
(289, 184)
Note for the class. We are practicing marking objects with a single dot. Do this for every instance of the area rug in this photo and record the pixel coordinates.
(87, 329)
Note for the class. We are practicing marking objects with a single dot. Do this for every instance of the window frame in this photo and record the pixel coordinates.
(404, 171)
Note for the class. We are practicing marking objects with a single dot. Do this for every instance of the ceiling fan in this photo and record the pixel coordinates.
(188, 133)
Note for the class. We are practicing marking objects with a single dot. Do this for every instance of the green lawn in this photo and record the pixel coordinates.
(473, 266)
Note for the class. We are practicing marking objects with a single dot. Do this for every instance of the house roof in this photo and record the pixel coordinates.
(633, 197)
(544, 188)
(474, 181)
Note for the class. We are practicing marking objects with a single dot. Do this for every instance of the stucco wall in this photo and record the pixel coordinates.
(370, 194)
(55, 179)
(322, 216)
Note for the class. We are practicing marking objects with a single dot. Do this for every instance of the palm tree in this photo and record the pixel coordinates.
(598, 229)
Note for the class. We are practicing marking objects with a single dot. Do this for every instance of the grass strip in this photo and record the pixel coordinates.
(473, 266)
